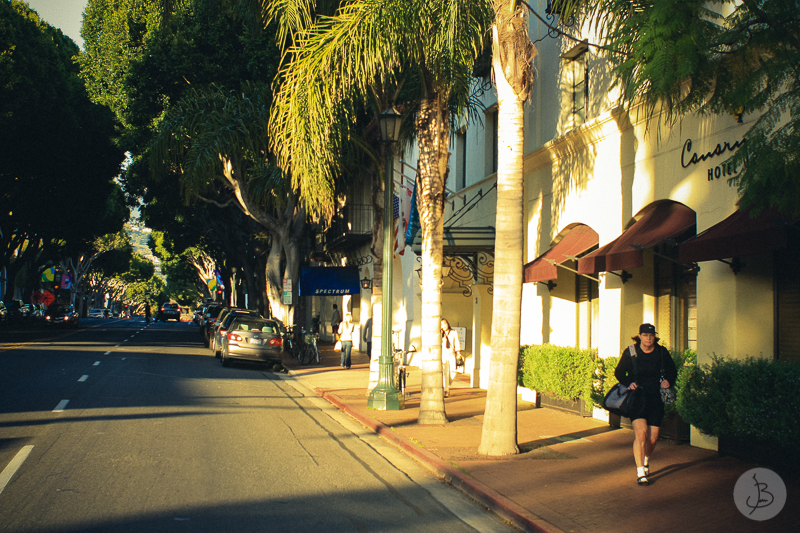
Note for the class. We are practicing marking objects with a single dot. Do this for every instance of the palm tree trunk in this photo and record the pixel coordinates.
(499, 435)
(433, 137)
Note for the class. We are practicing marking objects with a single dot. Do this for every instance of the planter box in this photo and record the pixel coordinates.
(754, 450)
(675, 429)
(576, 407)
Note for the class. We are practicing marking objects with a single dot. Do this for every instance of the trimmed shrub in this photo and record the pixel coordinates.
(751, 398)
(563, 372)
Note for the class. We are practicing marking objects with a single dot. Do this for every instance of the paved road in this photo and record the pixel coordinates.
(128, 428)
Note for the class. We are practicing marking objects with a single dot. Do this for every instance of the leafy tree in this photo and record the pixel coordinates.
(215, 138)
(157, 59)
(58, 156)
(727, 57)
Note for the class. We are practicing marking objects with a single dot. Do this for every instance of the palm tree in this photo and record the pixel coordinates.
(512, 63)
(366, 48)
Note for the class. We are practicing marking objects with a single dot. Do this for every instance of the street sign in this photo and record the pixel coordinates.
(287, 291)
(48, 298)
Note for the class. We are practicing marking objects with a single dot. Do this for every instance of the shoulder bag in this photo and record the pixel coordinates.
(623, 401)
(667, 395)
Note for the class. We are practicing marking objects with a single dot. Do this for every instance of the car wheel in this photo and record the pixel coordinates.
(225, 360)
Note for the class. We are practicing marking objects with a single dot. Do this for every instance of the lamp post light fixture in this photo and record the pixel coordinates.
(366, 283)
(386, 396)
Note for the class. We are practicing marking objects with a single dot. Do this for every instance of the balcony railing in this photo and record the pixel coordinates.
(352, 226)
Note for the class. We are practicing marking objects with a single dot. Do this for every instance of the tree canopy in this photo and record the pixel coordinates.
(59, 156)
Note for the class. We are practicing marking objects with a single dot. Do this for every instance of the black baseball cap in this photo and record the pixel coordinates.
(647, 328)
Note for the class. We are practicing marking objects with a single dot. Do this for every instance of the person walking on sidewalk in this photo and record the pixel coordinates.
(346, 336)
(368, 337)
(451, 351)
(336, 319)
(651, 359)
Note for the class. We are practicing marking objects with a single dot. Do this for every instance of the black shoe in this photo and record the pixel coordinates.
(643, 481)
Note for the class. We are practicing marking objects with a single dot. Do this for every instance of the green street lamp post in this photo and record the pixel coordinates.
(386, 396)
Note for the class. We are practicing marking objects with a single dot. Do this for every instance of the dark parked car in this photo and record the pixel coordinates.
(224, 324)
(252, 339)
(14, 311)
(209, 321)
(168, 311)
(61, 315)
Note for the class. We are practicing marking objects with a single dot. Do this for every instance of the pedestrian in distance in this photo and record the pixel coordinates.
(451, 353)
(646, 372)
(336, 319)
(346, 329)
(368, 337)
(147, 313)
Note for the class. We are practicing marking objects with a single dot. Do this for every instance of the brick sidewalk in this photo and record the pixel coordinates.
(573, 474)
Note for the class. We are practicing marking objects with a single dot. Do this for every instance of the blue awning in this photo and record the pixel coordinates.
(328, 281)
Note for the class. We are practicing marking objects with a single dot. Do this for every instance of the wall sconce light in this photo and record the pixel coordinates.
(366, 283)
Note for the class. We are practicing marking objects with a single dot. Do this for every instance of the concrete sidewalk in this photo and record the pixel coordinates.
(573, 474)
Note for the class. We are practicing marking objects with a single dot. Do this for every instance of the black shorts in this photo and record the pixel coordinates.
(654, 413)
(335, 328)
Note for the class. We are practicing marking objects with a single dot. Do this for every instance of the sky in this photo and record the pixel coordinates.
(66, 15)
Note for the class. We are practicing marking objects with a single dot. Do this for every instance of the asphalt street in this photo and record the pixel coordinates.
(118, 426)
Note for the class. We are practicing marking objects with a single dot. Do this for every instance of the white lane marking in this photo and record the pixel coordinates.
(132, 336)
(14, 465)
(124, 358)
(107, 353)
(60, 407)
(96, 363)
(126, 340)
(83, 377)
(117, 346)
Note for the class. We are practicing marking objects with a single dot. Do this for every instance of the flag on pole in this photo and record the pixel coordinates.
(413, 222)
(401, 205)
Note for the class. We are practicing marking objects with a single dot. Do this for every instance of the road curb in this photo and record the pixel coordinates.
(496, 502)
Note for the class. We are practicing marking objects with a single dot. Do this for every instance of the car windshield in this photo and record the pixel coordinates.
(254, 324)
(236, 314)
(213, 312)
(170, 306)
(60, 309)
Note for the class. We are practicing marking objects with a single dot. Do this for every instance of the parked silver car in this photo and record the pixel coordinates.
(224, 322)
(252, 339)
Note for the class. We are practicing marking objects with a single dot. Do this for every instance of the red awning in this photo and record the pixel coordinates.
(737, 236)
(578, 240)
(661, 222)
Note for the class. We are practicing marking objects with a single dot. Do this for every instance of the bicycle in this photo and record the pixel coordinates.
(309, 351)
(400, 367)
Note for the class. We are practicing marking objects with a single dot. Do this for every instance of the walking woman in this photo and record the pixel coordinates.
(651, 361)
(346, 329)
(451, 350)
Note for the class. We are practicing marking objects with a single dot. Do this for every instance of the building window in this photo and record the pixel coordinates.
(787, 304)
(461, 159)
(587, 292)
(580, 89)
(491, 142)
(676, 305)
(575, 83)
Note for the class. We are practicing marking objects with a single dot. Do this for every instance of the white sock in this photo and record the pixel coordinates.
(639, 471)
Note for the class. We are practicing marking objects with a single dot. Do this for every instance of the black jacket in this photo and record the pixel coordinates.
(648, 366)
